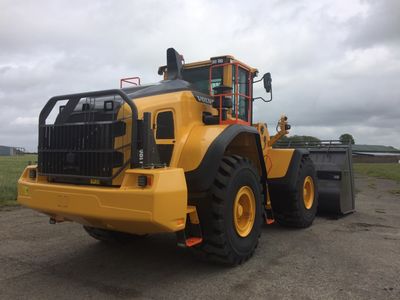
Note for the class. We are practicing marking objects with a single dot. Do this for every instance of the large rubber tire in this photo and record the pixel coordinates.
(221, 240)
(289, 206)
(109, 236)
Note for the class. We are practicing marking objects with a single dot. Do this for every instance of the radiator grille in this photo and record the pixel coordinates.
(84, 150)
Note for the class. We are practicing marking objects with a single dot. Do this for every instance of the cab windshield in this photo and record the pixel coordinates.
(199, 77)
(240, 82)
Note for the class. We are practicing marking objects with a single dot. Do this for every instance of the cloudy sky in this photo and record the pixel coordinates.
(335, 64)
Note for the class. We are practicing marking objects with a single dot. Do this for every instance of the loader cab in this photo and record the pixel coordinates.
(229, 81)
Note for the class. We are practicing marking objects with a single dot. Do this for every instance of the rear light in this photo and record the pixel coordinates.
(144, 180)
(32, 173)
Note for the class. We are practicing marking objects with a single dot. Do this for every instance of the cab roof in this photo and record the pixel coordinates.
(214, 60)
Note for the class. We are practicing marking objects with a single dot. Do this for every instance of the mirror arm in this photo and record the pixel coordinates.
(269, 100)
(255, 81)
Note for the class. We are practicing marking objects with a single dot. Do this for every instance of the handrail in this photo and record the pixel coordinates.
(330, 144)
(129, 80)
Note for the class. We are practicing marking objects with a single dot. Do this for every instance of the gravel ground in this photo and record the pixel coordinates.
(356, 257)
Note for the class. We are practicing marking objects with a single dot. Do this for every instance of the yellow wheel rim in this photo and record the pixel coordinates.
(244, 211)
(308, 192)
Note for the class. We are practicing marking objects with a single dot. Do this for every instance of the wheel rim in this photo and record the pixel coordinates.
(308, 192)
(244, 211)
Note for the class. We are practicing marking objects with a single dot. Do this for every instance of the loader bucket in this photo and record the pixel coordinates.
(333, 162)
(335, 180)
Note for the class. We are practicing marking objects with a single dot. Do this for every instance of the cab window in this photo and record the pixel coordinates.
(200, 77)
(243, 90)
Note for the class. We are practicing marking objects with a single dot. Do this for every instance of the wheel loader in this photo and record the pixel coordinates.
(181, 156)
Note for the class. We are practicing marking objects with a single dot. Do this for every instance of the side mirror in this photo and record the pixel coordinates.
(267, 82)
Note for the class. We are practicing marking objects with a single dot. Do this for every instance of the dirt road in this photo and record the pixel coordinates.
(355, 257)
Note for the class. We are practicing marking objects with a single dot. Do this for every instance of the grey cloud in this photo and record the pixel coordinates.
(380, 25)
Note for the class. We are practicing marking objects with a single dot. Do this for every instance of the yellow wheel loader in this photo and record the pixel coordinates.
(183, 156)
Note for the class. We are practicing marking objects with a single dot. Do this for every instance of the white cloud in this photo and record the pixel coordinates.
(25, 121)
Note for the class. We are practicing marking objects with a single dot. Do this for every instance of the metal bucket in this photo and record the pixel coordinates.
(333, 162)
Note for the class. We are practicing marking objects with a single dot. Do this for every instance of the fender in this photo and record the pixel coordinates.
(289, 180)
(200, 179)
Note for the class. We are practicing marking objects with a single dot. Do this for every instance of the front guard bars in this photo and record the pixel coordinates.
(73, 100)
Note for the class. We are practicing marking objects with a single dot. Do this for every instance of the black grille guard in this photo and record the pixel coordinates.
(73, 100)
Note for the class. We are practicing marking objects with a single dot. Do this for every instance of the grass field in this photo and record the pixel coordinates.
(385, 171)
(11, 168)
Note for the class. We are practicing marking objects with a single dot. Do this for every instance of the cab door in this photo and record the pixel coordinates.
(241, 80)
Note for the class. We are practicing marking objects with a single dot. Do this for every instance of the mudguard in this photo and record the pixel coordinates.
(201, 178)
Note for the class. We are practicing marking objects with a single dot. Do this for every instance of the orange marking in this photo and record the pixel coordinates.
(193, 241)
(270, 221)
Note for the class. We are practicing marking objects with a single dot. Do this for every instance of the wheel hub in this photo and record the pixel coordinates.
(308, 192)
(244, 211)
(240, 210)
